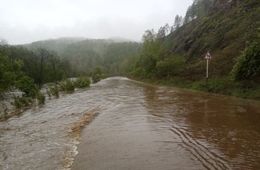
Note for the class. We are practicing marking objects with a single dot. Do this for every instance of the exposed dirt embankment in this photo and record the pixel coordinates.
(74, 133)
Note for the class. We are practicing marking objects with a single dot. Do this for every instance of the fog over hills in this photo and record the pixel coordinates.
(26, 21)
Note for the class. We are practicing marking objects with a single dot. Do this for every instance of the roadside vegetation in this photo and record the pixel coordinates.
(23, 74)
(228, 29)
(31, 95)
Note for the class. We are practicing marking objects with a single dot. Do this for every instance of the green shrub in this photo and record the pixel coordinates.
(247, 66)
(82, 82)
(62, 86)
(67, 86)
(40, 98)
(170, 66)
(218, 85)
(96, 78)
(54, 91)
(17, 103)
(97, 75)
(215, 85)
(20, 102)
(10, 71)
(26, 85)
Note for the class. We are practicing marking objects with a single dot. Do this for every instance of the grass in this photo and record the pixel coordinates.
(249, 90)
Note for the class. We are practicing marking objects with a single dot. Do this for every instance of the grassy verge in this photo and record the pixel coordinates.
(225, 86)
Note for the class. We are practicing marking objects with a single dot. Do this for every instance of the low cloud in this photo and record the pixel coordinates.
(24, 21)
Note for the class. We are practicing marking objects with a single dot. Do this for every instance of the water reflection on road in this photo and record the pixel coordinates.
(167, 128)
(139, 127)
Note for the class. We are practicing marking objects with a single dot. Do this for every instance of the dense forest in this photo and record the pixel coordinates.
(21, 67)
(26, 71)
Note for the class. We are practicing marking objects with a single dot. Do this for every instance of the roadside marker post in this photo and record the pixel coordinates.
(207, 57)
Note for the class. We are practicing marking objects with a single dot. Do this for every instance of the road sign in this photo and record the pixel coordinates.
(208, 56)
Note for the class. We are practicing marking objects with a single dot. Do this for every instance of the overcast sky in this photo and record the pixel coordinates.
(23, 21)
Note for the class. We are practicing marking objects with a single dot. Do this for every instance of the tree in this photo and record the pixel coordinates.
(43, 54)
(97, 74)
(198, 9)
(177, 22)
(26, 85)
(149, 36)
(190, 14)
(248, 64)
(163, 31)
(10, 71)
(170, 66)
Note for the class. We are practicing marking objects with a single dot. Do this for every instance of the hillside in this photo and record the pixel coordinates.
(225, 32)
(84, 55)
(227, 29)
(57, 45)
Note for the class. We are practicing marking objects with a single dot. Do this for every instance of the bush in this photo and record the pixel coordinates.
(67, 86)
(96, 78)
(247, 66)
(54, 91)
(17, 103)
(82, 82)
(26, 85)
(96, 75)
(40, 98)
(215, 85)
(20, 102)
(170, 66)
(10, 71)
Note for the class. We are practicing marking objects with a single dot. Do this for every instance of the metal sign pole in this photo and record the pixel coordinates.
(207, 69)
(207, 57)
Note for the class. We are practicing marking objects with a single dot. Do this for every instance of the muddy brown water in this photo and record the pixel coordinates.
(139, 126)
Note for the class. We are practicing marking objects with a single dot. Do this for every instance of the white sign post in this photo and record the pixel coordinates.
(207, 57)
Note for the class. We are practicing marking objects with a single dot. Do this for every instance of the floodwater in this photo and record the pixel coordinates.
(139, 127)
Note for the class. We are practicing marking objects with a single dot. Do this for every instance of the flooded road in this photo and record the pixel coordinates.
(139, 126)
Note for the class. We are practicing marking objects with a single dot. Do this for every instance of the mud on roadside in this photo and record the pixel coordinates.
(74, 133)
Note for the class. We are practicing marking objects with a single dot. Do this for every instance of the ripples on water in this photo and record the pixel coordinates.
(139, 127)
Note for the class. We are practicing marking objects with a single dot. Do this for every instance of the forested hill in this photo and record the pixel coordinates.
(58, 45)
(84, 55)
(229, 29)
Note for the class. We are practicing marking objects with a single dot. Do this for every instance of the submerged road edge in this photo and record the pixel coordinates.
(75, 134)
